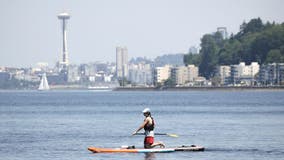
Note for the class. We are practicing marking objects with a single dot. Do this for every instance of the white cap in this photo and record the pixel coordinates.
(146, 110)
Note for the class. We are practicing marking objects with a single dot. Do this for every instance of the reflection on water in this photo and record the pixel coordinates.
(150, 156)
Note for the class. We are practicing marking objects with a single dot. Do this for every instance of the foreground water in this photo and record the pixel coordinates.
(62, 124)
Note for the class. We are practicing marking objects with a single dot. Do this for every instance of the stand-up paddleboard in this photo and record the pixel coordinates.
(153, 150)
(190, 148)
(112, 150)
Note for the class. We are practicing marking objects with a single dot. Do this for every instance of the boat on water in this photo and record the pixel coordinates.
(43, 83)
(132, 149)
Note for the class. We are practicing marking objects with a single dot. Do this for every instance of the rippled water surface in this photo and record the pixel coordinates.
(62, 124)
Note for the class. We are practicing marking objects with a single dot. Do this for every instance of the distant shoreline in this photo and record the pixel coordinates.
(231, 88)
(200, 88)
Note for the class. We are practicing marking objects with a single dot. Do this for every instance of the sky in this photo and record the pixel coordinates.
(30, 31)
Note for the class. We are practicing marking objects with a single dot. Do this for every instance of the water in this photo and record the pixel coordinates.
(62, 124)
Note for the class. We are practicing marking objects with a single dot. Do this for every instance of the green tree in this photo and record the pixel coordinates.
(256, 42)
(246, 54)
(216, 81)
(169, 83)
(272, 38)
(230, 53)
(191, 59)
(282, 49)
(274, 55)
(208, 55)
(254, 25)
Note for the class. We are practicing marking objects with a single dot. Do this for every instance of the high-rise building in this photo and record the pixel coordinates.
(121, 62)
(223, 31)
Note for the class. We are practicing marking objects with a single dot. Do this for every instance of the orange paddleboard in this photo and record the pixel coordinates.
(142, 150)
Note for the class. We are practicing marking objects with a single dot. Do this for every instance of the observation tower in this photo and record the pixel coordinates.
(64, 17)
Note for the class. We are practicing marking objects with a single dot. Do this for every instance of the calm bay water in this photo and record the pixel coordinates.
(62, 124)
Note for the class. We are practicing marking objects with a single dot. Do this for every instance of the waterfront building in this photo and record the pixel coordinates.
(83, 73)
(242, 74)
(201, 81)
(111, 68)
(223, 73)
(272, 74)
(161, 74)
(90, 70)
(42, 66)
(108, 78)
(2, 69)
(184, 75)
(193, 72)
(140, 74)
(56, 79)
(73, 74)
(100, 66)
(121, 62)
(179, 75)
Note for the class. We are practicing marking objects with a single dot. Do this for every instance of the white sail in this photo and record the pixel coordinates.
(43, 83)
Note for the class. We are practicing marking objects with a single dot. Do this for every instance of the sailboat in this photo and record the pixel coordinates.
(43, 83)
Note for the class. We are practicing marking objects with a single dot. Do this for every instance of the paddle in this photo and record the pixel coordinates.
(167, 134)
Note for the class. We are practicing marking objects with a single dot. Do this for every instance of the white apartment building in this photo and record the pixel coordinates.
(249, 70)
(121, 62)
(192, 72)
(242, 74)
(184, 74)
(161, 74)
(224, 73)
(179, 75)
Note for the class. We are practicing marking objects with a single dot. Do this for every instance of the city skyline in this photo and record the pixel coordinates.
(31, 33)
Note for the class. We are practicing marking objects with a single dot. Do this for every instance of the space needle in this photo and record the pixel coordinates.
(64, 17)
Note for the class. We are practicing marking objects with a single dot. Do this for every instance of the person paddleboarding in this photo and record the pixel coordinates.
(149, 126)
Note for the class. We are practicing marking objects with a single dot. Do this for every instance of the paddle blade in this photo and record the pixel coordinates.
(173, 135)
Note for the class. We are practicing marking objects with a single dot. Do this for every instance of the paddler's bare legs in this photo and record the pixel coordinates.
(161, 144)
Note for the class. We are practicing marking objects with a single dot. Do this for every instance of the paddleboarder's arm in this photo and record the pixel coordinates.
(142, 126)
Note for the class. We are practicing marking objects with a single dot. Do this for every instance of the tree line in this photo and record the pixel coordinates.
(255, 42)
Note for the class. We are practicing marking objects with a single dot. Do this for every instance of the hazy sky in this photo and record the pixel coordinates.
(30, 31)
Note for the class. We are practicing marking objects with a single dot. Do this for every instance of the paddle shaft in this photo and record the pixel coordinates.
(161, 134)
(155, 134)
(167, 134)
